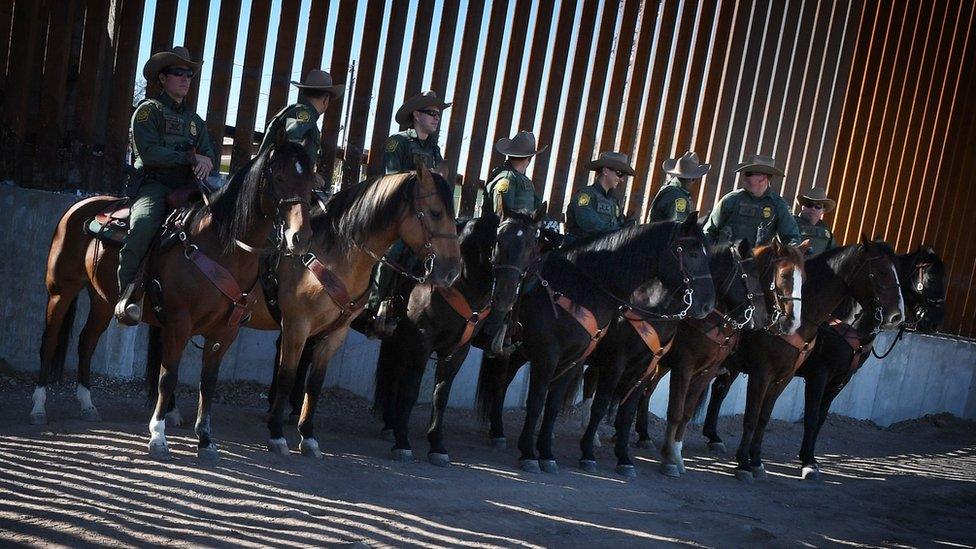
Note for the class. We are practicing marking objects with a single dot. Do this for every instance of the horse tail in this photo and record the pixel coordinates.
(488, 381)
(699, 415)
(385, 379)
(64, 336)
(154, 363)
(576, 376)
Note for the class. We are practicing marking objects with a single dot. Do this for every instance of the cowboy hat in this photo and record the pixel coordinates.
(173, 56)
(612, 160)
(320, 80)
(520, 146)
(816, 194)
(420, 101)
(759, 163)
(686, 167)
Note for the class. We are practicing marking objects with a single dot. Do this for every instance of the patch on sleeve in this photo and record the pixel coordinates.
(681, 205)
(142, 114)
(583, 200)
(391, 144)
(302, 116)
(502, 186)
(193, 128)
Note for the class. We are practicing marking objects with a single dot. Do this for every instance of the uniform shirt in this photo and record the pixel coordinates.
(821, 239)
(672, 203)
(164, 136)
(513, 188)
(755, 220)
(299, 122)
(593, 211)
(401, 148)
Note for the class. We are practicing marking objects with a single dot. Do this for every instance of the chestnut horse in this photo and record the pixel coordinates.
(212, 252)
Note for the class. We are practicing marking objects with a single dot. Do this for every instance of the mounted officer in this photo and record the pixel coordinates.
(754, 212)
(421, 114)
(171, 150)
(300, 120)
(594, 209)
(508, 183)
(814, 204)
(674, 201)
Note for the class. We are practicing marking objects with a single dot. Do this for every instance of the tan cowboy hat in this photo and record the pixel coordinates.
(320, 80)
(420, 101)
(817, 194)
(686, 167)
(520, 146)
(613, 160)
(173, 56)
(759, 163)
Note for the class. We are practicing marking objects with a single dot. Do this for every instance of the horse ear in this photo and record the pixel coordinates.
(804, 246)
(691, 221)
(865, 240)
(423, 172)
(540, 212)
(743, 247)
(281, 140)
(778, 247)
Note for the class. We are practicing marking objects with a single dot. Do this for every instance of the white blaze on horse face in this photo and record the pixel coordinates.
(157, 430)
(298, 168)
(901, 297)
(39, 398)
(84, 397)
(797, 300)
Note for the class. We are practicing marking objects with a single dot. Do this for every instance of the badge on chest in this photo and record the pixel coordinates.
(604, 208)
(173, 125)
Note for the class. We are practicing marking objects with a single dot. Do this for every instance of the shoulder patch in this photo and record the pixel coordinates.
(193, 128)
(391, 144)
(302, 115)
(680, 205)
(583, 200)
(142, 113)
(502, 186)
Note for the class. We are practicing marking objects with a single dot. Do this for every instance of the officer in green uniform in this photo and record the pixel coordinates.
(172, 150)
(594, 209)
(421, 114)
(673, 201)
(814, 204)
(508, 183)
(300, 120)
(754, 213)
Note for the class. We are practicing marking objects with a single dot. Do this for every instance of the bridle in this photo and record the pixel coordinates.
(876, 287)
(535, 259)
(779, 299)
(751, 287)
(924, 302)
(280, 204)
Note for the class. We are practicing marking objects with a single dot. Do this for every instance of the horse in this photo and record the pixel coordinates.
(862, 271)
(495, 255)
(312, 298)
(846, 341)
(200, 279)
(630, 364)
(657, 270)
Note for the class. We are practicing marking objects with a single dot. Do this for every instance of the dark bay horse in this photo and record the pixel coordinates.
(864, 272)
(657, 270)
(221, 239)
(318, 294)
(846, 341)
(495, 255)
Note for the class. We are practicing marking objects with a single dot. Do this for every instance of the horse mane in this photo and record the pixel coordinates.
(476, 240)
(368, 207)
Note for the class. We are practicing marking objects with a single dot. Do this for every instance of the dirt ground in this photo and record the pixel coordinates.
(76, 483)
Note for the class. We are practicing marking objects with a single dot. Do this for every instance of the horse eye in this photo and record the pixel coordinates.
(436, 214)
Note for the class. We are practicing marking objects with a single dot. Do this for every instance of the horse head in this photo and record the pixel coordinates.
(738, 290)
(429, 228)
(290, 177)
(516, 249)
(872, 280)
(780, 269)
(923, 285)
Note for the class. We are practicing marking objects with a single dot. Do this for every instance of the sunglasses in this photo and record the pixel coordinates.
(814, 206)
(620, 173)
(180, 72)
(432, 114)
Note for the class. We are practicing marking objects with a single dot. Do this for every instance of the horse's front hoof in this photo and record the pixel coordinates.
(387, 434)
(403, 456)
(744, 476)
(38, 419)
(159, 451)
(530, 465)
(670, 470)
(717, 448)
(499, 443)
(549, 466)
(91, 414)
(587, 465)
(627, 471)
(810, 472)
(174, 418)
(208, 455)
(278, 446)
(646, 444)
(440, 460)
(759, 472)
(310, 448)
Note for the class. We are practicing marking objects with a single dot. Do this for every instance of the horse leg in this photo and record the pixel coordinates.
(554, 402)
(292, 342)
(497, 402)
(213, 353)
(622, 424)
(604, 385)
(590, 381)
(173, 340)
(720, 389)
(773, 391)
(672, 463)
(324, 350)
(444, 377)
(297, 396)
(814, 389)
(414, 353)
(755, 398)
(59, 318)
(643, 419)
(389, 371)
(99, 317)
(539, 377)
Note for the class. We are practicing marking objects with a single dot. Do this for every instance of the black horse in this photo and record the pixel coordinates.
(864, 272)
(653, 270)
(495, 255)
(846, 341)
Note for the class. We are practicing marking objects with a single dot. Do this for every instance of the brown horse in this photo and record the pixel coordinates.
(215, 255)
(318, 294)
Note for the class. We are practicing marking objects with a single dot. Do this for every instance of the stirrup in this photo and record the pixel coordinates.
(127, 311)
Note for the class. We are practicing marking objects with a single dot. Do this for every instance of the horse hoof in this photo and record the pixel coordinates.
(208, 455)
(38, 419)
(596, 441)
(759, 472)
(681, 467)
(627, 471)
(403, 456)
(159, 451)
(387, 434)
(91, 414)
(174, 418)
(810, 472)
(646, 444)
(717, 448)
(670, 470)
(549, 466)
(499, 443)
(310, 448)
(587, 465)
(292, 419)
(744, 476)
(278, 446)
(440, 460)
(530, 466)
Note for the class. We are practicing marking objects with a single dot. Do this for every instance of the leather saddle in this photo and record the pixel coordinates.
(111, 225)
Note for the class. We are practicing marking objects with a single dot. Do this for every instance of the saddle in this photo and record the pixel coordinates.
(111, 225)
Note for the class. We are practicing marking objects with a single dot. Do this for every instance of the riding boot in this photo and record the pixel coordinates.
(128, 311)
(494, 324)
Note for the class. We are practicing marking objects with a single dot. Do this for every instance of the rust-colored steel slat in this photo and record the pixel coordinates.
(618, 81)
(388, 83)
(341, 52)
(483, 106)
(418, 48)
(462, 87)
(223, 67)
(49, 169)
(163, 25)
(198, 12)
(695, 83)
(26, 37)
(284, 56)
(123, 80)
(247, 103)
(627, 136)
(533, 74)
(6, 27)
(781, 26)
(446, 32)
(512, 77)
(91, 87)
(318, 20)
(356, 132)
